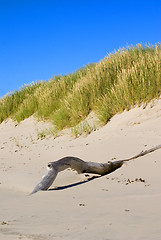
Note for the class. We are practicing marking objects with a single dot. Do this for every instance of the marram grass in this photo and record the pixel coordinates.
(120, 81)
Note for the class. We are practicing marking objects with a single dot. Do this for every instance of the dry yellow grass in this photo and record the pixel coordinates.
(121, 80)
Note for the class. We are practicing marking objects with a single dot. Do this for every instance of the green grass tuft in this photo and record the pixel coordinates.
(120, 81)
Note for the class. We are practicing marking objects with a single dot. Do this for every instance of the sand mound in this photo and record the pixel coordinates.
(122, 205)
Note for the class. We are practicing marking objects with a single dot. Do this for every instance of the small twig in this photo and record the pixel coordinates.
(142, 153)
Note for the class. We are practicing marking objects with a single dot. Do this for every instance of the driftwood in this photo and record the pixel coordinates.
(81, 167)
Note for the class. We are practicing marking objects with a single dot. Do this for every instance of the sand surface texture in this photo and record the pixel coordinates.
(125, 204)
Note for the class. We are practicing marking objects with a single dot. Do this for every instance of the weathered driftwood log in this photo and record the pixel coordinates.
(81, 167)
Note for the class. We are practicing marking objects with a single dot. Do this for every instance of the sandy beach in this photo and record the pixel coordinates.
(122, 205)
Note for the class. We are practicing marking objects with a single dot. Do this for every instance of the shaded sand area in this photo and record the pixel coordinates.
(125, 204)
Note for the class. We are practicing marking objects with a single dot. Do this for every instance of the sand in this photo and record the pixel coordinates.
(125, 204)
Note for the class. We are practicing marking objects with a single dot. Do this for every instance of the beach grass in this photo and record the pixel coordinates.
(123, 79)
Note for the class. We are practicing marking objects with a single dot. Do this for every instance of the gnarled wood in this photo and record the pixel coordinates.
(81, 167)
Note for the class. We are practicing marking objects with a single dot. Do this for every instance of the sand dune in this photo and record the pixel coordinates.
(122, 205)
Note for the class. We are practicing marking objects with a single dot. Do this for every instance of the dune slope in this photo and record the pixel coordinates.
(122, 205)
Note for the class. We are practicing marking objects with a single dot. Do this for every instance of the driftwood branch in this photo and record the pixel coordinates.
(81, 166)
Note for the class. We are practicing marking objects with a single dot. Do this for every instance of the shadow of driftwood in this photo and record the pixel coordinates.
(78, 183)
(74, 184)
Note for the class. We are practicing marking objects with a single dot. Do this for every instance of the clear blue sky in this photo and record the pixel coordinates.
(42, 38)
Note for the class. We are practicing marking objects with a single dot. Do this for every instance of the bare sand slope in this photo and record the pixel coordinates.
(125, 204)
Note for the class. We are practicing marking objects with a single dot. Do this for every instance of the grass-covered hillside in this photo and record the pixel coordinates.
(121, 80)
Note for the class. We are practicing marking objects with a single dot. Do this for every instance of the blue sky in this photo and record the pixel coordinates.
(42, 38)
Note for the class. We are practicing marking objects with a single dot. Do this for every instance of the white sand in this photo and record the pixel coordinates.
(107, 208)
